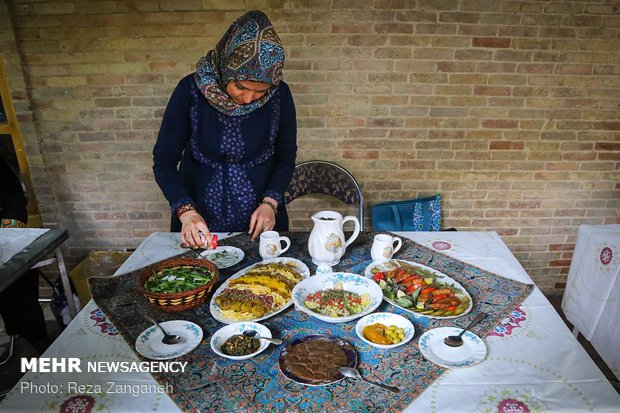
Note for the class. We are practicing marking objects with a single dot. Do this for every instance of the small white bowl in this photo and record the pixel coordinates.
(387, 319)
(224, 333)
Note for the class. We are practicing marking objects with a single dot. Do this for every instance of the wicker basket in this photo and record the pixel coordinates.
(185, 300)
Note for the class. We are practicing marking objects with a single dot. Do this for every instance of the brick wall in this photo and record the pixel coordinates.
(510, 109)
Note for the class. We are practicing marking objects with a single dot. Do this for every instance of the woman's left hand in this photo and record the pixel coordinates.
(263, 219)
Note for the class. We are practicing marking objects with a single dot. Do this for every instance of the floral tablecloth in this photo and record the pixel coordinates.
(592, 297)
(256, 385)
(533, 363)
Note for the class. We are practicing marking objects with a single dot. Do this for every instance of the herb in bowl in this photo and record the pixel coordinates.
(178, 279)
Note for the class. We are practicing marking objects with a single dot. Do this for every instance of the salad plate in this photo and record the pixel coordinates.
(277, 292)
(433, 348)
(149, 343)
(224, 256)
(419, 289)
(329, 294)
(328, 341)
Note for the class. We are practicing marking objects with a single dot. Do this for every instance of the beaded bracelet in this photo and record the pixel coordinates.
(183, 209)
(265, 202)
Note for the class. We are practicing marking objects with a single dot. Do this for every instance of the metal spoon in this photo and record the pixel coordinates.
(457, 341)
(254, 333)
(354, 374)
(168, 338)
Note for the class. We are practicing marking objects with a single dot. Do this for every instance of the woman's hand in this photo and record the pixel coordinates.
(194, 230)
(263, 219)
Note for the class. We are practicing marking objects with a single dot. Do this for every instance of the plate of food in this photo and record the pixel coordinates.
(230, 342)
(224, 256)
(337, 297)
(259, 291)
(314, 360)
(385, 330)
(419, 289)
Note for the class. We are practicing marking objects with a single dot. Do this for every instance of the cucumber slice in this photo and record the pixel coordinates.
(404, 302)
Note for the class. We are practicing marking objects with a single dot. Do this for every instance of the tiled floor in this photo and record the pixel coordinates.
(10, 374)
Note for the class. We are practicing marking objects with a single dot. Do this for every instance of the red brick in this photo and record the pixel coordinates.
(490, 42)
(607, 146)
(509, 145)
(561, 247)
(500, 124)
(559, 263)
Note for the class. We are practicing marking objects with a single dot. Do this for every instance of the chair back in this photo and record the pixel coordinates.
(322, 177)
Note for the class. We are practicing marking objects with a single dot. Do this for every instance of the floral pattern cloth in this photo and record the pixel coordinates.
(524, 371)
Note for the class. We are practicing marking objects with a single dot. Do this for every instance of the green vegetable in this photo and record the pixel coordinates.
(404, 302)
(178, 279)
(415, 294)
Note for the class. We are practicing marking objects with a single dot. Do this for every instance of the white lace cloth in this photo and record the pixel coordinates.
(592, 296)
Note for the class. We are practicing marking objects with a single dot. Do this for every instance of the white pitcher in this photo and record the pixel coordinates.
(326, 244)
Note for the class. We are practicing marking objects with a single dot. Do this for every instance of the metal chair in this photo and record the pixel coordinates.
(322, 177)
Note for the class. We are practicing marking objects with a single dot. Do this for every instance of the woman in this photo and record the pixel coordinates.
(231, 125)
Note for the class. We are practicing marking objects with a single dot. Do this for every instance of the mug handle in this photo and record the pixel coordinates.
(287, 241)
(399, 243)
(356, 231)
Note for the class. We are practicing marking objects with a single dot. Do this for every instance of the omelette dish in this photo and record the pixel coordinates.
(263, 289)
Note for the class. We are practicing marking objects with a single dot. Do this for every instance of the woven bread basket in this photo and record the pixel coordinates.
(171, 302)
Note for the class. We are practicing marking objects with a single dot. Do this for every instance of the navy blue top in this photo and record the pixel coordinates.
(227, 163)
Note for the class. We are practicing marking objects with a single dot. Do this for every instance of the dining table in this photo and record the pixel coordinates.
(531, 362)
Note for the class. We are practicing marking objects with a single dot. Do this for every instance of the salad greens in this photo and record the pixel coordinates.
(178, 279)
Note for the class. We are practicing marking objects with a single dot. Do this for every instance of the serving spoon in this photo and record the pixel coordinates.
(457, 341)
(354, 374)
(168, 338)
(254, 334)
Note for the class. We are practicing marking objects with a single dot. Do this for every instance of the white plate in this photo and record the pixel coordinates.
(221, 335)
(387, 319)
(149, 342)
(472, 352)
(387, 265)
(224, 256)
(215, 309)
(350, 282)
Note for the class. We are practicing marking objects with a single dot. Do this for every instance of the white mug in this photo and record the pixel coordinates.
(270, 245)
(384, 246)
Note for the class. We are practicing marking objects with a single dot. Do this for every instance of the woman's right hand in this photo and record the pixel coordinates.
(194, 230)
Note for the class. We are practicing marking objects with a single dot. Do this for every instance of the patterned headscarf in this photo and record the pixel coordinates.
(249, 50)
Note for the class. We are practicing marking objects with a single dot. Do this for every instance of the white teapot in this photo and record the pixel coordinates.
(326, 244)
